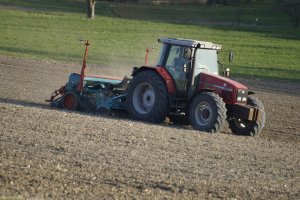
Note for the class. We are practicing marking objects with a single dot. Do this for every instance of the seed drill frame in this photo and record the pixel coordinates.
(91, 92)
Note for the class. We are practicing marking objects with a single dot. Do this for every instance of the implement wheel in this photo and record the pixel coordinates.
(207, 112)
(250, 128)
(70, 101)
(147, 98)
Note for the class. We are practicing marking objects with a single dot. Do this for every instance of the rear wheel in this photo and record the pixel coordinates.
(147, 98)
(246, 127)
(207, 112)
(70, 101)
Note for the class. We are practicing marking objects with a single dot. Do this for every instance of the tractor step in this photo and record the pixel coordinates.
(178, 103)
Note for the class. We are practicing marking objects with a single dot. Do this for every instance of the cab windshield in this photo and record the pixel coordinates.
(206, 60)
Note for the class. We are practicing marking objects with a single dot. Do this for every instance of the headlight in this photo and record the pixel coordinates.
(242, 95)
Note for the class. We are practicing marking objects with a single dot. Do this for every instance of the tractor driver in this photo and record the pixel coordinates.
(180, 60)
(180, 68)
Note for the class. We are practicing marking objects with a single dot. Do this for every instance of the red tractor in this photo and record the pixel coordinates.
(186, 86)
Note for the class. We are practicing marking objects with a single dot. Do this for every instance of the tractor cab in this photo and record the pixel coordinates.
(185, 60)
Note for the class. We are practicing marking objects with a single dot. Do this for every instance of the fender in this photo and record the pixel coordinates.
(250, 92)
(162, 72)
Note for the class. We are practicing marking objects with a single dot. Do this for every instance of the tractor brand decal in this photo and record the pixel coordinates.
(219, 87)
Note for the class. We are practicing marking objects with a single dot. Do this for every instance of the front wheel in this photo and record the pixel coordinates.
(245, 127)
(207, 112)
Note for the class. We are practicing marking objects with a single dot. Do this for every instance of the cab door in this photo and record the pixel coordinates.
(176, 63)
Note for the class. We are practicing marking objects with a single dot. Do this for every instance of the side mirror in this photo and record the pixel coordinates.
(231, 56)
(187, 53)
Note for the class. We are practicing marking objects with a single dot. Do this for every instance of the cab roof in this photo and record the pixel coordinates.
(190, 43)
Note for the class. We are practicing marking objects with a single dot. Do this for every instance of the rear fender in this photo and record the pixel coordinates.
(163, 74)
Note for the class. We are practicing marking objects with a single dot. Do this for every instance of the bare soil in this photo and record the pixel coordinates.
(47, 153)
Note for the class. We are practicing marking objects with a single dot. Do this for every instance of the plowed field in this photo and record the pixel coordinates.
(47, 153)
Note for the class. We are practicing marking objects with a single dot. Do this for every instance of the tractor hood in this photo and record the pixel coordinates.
(226, 88)
(213, 80)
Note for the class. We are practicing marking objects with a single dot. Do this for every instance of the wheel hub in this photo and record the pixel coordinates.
(148, 98)
(203, 113)
(240, 123)
(143, 98)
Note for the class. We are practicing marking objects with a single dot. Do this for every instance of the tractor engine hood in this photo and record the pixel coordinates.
(228, 89)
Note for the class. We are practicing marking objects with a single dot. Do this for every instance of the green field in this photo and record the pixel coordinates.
(120, 33)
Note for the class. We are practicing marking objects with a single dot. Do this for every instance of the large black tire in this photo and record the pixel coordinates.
(147, 98)
(70, 101)
(207, 112)
(250, 128)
